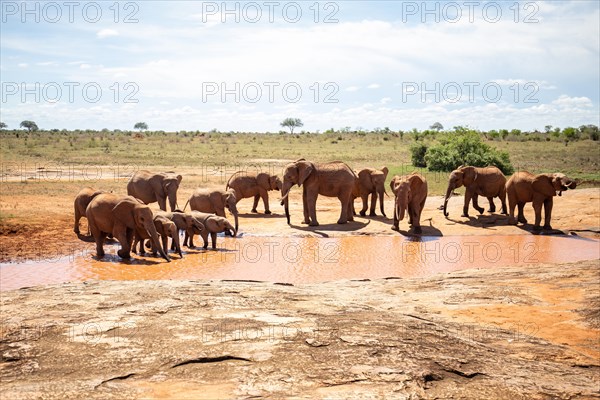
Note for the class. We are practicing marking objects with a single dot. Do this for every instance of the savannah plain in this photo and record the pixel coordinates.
(530, 330)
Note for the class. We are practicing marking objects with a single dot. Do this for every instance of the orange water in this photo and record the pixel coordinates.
(304, 260)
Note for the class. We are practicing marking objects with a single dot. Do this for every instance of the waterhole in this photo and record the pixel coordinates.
(303, 260)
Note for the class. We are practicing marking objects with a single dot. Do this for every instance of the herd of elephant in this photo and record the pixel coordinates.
(129, 220)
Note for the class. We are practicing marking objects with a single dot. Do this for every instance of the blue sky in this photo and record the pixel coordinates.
(245, 66)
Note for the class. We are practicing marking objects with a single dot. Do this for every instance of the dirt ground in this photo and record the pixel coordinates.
(42, 220)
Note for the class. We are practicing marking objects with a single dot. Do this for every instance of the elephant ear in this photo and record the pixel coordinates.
(179, 178)
(470, 175)
(394, 185)
(543, 184)
(415, 183)
(385, 172)
(263, 181)
(304, 170)
(124, 211)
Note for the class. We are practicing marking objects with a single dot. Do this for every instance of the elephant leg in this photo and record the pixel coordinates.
(120, 233)
(468, 196)
(100, 237)
(548, 203)
(186, 237)
(381, 203)
(255, 204)
(396, 221)
(373, 204)
(213, 237)
(136, 240)
(502, 197)
(476, 206)
(537, 208)
(492, 205)
(410, 213)
(265, 198)
(415, 219)
(204, 235)
(511, 212)
(350, 209)
(365, 200)
(77, 218)
(521, 216)
(312, 209)
(305, 206)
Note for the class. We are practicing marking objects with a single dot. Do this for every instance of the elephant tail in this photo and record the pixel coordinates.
(186, 204)
(230, 178)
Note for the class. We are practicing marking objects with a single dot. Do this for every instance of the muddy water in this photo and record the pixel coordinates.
(304, 260)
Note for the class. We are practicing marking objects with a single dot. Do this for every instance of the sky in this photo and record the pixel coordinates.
(246, 66)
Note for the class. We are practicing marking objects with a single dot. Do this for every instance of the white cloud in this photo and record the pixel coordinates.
(85, 66)
(352, 88)
(373, 86)
(23, 65)
(385, 100)
(104, 33)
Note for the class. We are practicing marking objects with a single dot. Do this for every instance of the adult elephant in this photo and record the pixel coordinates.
(121, 216)
(371, 181)
(411, 193)
(334, 179)
(524, 187)
(247, 185)
(82, 200)
(215, 202)
(488, 182)
(150, 187)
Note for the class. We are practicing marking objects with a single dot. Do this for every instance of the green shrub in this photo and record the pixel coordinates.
(465, 148)
(417, 152)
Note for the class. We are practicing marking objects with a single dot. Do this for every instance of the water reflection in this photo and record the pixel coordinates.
(306, 260)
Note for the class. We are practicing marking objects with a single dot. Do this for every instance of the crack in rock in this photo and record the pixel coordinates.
(116, 378)
(206, 360)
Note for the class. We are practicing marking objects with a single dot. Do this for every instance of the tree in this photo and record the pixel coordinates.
(292, 123)
(2, 125)
(30, 125)
(142, 126)
(437, 126)
(548, 128)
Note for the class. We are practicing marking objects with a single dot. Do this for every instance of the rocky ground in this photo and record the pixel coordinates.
(494, 334)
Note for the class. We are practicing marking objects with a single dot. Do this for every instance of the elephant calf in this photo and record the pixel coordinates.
(184, 222)
(215, 202)
(411, 193)
(246, 185)
(166, 229)
(524, 187)
(213, 224)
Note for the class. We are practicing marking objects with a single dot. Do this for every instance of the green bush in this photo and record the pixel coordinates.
(417, 152)
(465, 148)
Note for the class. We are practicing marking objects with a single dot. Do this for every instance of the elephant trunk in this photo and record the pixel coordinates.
(401, 205)
(232, 230)
(285, 191)
(154, 238)
(446, 198)
(234, 211)
(172, 200)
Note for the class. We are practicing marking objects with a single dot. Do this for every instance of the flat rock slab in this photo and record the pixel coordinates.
(508, 333)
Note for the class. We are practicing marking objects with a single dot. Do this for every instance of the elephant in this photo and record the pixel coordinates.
(488, 182)
(371, 181)
(213, 224)
(165, 228)
(121, 216)
(150, 187)
(333, 179)
(524, 187)
(247, 185)
(215, 201)
(410, 194)
(82, 200)
(183, 221)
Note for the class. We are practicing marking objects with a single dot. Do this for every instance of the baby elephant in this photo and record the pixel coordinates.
(213, 224)
(247, 185)
(82, 200)
(411, 193)
(215, 202)
(165, 228)
(183, 221)
(524, 187)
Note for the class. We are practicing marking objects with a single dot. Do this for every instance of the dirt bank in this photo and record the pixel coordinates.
(507, 333)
